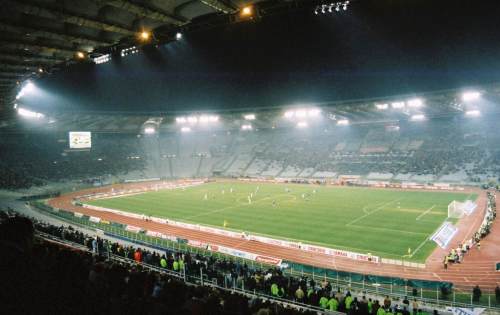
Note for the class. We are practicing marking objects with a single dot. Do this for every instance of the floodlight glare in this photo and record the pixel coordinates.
(180, 120)
(192, 119)
(302, 124)
(382, 106)
(249, 117)
(314, 112)
(417, 117)
(247, 11)
(203, 119)
(246, 127)
(213, 118)
(471, 96)
(178, 36)
(289, 114)
(29, 114)
(149, 130)
(473, 113)
(145, 35)
(398, 105)
(343, 122)
(80, 55)
(185, 129)
(300, 113)
(415, 103)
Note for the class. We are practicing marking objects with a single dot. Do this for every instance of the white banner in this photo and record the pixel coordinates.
(444, 234)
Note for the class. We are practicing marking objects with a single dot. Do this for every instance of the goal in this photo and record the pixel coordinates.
(455, 210)
(459, 209)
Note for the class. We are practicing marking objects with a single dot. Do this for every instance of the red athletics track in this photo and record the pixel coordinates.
(478, 267)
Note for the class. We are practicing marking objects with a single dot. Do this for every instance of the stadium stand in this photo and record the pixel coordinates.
(87, 274)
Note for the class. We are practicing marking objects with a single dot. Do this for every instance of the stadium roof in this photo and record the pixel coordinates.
(38, 37)
(388, 111)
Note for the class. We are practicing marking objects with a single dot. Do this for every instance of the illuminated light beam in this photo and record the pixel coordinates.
(343, 122)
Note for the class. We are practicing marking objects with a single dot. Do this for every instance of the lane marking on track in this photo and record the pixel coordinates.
(372, 212)
(424, 213)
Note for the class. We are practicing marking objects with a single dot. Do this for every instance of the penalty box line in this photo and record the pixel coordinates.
(372, 212)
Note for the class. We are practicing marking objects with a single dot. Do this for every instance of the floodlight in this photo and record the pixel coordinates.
(144, 35)
(102, 59)
(247, 11)
(301, 113)
(417, 117)
(181, 120)
(382, 106)
(192, 119)
(415, 103)
(29, 114)
(343, 122)
(80, 55)
(473, 113)
(203, 119)
(40, 70)
(398, 105)
(15, 105)
(178, 36)
(213, 118)
(249, 116)
(471, 96)
(149, 130)
(185, 129)
(246, 127)
(289, 114)
(302, 124)
(314, 112)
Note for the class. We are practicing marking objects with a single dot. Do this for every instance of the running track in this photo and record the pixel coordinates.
(478, 267)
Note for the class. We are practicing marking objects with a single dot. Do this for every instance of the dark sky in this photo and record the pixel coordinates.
(377, 48)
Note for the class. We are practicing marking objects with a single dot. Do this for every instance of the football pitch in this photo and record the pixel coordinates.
(384, 222)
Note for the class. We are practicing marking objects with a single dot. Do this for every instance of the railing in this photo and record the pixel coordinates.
(197, 280)
(355, 282)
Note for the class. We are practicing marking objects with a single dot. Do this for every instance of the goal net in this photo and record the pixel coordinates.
(459, 209)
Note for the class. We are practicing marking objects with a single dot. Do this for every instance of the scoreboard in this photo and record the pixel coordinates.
(80, 140)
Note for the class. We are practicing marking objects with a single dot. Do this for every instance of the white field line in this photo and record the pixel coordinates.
(419, 247)
(372, 212)
(424, 213)
(238, 205)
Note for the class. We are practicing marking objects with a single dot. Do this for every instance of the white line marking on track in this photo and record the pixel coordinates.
(424, 213)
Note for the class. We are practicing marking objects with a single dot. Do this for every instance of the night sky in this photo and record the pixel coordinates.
(377, 48)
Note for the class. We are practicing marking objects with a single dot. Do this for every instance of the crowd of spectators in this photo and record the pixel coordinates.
(456, 255)
(34, 159)
(440, 149)
(55, 279)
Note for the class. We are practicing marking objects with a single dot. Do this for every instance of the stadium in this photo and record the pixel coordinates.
(249, 157)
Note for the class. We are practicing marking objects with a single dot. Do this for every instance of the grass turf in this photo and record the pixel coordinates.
(383, 222)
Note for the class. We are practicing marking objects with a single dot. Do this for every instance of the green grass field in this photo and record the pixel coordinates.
(383, 222)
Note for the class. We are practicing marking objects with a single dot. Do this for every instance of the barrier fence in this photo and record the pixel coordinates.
(438, 293)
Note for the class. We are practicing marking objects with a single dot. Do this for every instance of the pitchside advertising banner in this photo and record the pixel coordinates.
(80, 140)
